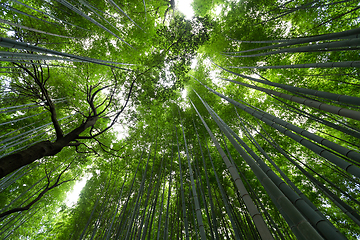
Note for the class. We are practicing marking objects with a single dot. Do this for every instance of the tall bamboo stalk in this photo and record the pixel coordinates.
(182, 191)
(292, 212)
(310, 103)
(329, 36)
(328, 46)
(348, 167)
(302, 203)
(196, 201)
(168, 198)
(255, 215)
(212, 207)
(326, 95)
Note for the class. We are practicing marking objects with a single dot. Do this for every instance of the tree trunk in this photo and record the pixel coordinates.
(39, 150)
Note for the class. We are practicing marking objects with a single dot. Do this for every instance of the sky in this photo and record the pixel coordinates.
(73, 196)
(184, 6)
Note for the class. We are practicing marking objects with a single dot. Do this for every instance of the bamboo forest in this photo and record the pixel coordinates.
(132, 119)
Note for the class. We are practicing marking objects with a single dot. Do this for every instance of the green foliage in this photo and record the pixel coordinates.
(159, 54)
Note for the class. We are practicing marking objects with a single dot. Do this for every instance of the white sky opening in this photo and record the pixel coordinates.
(218, 10)
(194, 62)
(185, 7)
(184, 94)
(120, 130)
(74, 195)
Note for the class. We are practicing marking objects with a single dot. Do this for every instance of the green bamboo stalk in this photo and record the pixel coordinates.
(255, 215)
(212, 207)
(304, 6)
(33, 29)
(140, 192)
(117, 208)
(160, 212)
(289, 220)
(349, 211)
(24, 219)
(310, 103)
(129, 194)
(267, 215)
(225, 226)
(192, 209)
(327, 46)
(276, 146)
(345, 130)
(91, 215)
(343, 64)
(302, 203)
(47, 14)
(317, 38)
(326, 95)
(93, 9)
(168, 198)
(303, 225)
(78, 11)
(13, 56)
(148, 195)
(2, 5)
(200, 189)
(350, 168)
(226, 204)
(156, 193)
(266, 41)
(102, 208)
(125, 219)
(28, 189)
(121, 11)
(11, 178)
(9, 43)
(196, 200)
(182, 190)
(178, 215)
(248, 221)
(23, 118)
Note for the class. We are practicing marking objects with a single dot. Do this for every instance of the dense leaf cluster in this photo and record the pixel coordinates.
(174, 170)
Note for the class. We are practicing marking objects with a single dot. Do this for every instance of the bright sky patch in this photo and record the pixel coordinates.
(185, 7)
(184, 94)
(73, 196)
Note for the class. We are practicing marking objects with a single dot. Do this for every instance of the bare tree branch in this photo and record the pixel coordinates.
(42, 193)
(115, 118)
(52, 109)
(41, 149)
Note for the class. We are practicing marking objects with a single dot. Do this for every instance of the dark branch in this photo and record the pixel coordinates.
(115, 118)
(41, 85)
(42, 193)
